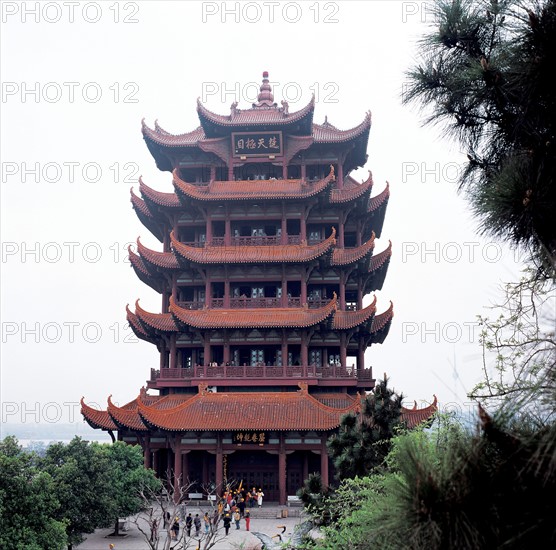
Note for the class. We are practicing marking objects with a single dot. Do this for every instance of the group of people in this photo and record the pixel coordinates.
(234, 506)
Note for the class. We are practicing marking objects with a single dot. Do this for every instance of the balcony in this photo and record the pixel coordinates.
(265, 375)
(250, 303)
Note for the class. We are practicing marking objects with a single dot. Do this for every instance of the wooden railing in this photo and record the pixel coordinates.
(263, 372)
(245, 303)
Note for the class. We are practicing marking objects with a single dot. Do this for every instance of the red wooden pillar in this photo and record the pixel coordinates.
(173, 352)
(324, 462)
(284, 351)
(185, 468)
(228, 231)
(284, 228)
(283, 496)
(304, 350)
(305, 465)
(207, 350)
(343, 350)
(209, 230)
(219, 467)
(303, 170)
(177, 472)
(340, 174)
(227, 293)
(303, 286)
(361, 356)
(147, 454)
(212, 172)
(156, 456)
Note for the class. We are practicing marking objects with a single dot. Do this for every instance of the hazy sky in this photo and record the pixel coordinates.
(78, 77)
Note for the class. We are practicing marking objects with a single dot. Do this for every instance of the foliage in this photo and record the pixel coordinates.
(451, 488)
(128, 478)
(363, 440)
(314, 498)
(27, 502)
(485, 74)
(522, 340)
(83, 486)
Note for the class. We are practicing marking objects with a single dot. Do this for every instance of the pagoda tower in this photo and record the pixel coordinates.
(270, 252)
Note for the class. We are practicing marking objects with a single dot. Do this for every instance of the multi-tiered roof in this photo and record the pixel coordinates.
(269, 248)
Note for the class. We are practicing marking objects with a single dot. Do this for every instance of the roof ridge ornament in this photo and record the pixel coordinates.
(265, 99)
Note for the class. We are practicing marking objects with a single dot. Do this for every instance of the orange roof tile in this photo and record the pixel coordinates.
(256, 115)
(287, 253)
(352, 190)
(97, 419)
(125, 417)
(252, 318)
(166, 260)
(140, 205)
(252, 189)
(346, 256)
(170, 200)
(381, 258)
(344, 320)
(327, 133)
(264, 411)
(135, 324)
(382, 319)
(162, 137)
(380, 199)
(137, 262)
(158, 321)
(413, 417)
(279, 411)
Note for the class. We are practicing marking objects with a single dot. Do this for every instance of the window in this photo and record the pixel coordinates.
(257, 356)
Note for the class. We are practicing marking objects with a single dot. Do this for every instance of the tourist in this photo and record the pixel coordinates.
(206, 519)
(227, 522)
(247, 519)
(176, 528)
(237, 518)
(241, 506)
(197, 523)
(154, 530)
(260, 496)
(189, 524)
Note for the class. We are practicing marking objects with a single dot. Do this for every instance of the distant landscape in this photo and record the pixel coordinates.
(49, 432)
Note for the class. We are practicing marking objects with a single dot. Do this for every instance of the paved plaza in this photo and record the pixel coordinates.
(237, 539)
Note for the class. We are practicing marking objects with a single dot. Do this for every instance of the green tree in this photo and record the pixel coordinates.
(128, 479)
(363, 440)
(27, 502)
(83, 486)
(485, 74)
(451, 487)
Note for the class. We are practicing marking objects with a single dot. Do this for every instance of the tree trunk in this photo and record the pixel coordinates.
(117, 527)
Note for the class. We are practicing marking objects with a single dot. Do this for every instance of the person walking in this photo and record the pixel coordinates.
(260, 496)
(189, 524)
(247, 519)
(176, 528)
(237, 518)
(206, 519)
(197, 523)
(227, 522)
